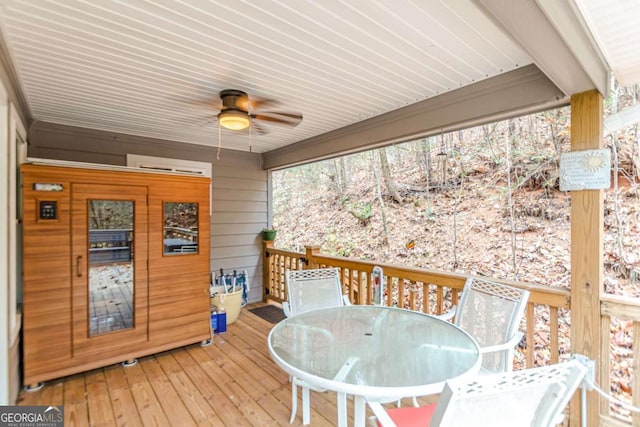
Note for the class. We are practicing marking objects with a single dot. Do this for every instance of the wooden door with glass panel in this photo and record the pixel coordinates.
(109, 271)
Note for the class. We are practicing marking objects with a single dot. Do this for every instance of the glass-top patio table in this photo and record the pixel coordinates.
(372, 352)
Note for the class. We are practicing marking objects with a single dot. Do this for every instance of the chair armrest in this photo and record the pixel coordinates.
(286, 309)
(504, 346)
(381, 414)
(448, 315)
(346, 300)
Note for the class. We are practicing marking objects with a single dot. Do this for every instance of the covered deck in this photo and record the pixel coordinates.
(154, 94)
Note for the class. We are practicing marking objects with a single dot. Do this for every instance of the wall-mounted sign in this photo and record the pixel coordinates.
(585, 170)
(40, 186)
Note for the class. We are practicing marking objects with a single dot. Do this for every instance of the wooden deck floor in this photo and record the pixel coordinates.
(232, 382)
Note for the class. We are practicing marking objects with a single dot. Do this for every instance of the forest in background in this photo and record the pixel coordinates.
(483, 200)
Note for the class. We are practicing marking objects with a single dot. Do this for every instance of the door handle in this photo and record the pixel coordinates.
(78, 272)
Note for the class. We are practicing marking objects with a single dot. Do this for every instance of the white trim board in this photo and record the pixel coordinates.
(17, 150)
(4, 244)
(165, 164)
(169, 165)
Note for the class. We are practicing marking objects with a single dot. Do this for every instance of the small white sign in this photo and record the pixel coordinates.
(40, 186)
(585, 170)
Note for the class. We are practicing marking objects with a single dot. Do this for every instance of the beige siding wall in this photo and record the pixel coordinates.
(240, 211)
(239, 186)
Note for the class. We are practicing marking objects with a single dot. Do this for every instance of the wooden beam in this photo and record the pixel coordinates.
(587, 229)
(515, 93)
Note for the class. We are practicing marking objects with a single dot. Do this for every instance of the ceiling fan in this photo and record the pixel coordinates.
(238, 112)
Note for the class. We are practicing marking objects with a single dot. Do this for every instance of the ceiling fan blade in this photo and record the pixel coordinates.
(259, 103)
(237, 102)
(286, 119)
(233, 98)
(257, 128)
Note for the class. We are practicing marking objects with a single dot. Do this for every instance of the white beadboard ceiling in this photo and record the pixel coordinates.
(155, 68)
(615, 25)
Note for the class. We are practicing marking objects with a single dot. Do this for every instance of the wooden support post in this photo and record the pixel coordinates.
(267, 279)
(587, 229)
(311, 251)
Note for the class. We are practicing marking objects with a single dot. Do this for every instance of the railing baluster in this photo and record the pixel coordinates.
(554, 334)
(605, 365)
(530, 314)
(412, 299)
(635, 380)
(439, 299)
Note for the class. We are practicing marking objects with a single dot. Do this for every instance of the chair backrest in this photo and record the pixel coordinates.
(313, 289)
(533, 397)
(491, 312)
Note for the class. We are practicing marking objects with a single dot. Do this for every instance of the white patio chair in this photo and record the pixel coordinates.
(491, 312)
(310, 290)
(313, 289)
(533, 397)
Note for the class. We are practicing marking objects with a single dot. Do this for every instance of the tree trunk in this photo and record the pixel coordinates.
(636, 158)
(340, 175)
(514, 253)
(488, 137)
(343, 175)
(457, 145)
(392, 188)
(423, 158)
(429, 162)
(383, 213)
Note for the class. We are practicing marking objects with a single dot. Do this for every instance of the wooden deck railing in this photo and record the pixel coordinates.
(620, 322)
(434, 292)
(427, 291)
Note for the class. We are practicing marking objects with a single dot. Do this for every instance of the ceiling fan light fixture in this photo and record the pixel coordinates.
(233, 120)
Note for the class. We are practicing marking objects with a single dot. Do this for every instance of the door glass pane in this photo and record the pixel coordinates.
(180, 228)
(110, 265)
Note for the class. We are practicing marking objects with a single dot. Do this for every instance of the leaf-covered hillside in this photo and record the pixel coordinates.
(484, 200)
